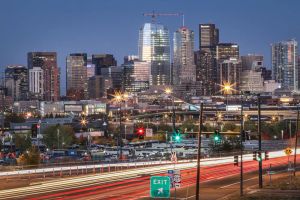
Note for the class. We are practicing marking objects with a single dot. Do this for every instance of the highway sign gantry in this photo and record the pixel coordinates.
(160, 186)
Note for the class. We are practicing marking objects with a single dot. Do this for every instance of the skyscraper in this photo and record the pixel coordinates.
(47, 61)
(230, 72)
(16, 82)
(285, 68)
(154, 47)
(77, 82)
(184, 69)
(36, 83)
(205, 59)
(103, 61)
(136, 75)
(226, 51)
(208, 37)
(252, 61)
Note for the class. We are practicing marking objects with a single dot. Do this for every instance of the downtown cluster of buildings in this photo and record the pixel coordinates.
(190, 72)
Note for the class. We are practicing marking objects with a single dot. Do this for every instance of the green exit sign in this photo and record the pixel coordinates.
(160, 186)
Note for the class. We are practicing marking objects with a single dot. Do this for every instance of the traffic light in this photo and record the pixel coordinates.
(236, 160)
(34, 130)
(217, 136)
(259, 158)
(177, 136)
(140, 132)
(266, 155)
(254, 155)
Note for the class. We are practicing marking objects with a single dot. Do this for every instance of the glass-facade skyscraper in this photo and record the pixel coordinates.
(154, 47)
(184, 69)
(285, 68)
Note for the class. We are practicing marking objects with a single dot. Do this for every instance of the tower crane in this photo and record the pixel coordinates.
(154, 15)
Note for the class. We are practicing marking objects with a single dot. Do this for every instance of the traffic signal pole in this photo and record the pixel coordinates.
(259, 142)
(199, 152)
(296, 141)
(241, 136)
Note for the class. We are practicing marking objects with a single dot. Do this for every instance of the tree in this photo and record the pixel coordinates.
(189, 125)
(162, 128)
(58, 139)
(30, 157)
(22, 142)
(250, 126)
(229, 126)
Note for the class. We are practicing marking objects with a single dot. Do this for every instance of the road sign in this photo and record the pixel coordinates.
(149, 132)
(177, 179)
(160, 186)
(288, 151)
(171, 175)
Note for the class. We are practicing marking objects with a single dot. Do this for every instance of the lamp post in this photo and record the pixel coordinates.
(119, 98)
(199, 152)
(168, 91)
(296, 141)
(228, 88)
(259, 142)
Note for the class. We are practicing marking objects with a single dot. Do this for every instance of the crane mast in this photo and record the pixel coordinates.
(154, 15)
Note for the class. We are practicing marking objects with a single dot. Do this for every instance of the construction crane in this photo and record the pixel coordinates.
(154, 15)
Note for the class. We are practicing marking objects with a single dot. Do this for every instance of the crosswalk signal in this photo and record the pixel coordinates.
(254, 155)
(267, 155)
(236, 160)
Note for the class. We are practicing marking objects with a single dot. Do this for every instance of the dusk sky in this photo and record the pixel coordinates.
(111, 26)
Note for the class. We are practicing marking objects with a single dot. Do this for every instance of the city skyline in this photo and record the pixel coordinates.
(70, 31)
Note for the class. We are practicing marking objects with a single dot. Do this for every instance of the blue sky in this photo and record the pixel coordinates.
(111, 26)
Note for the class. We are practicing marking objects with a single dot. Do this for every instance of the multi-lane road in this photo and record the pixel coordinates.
(132, 183)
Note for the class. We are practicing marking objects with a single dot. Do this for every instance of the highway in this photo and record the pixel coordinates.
(131, 183)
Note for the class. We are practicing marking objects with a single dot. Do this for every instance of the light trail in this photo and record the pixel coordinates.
(85, 183)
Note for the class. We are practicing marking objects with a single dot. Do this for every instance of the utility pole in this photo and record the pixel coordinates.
(259, 143)
(173, 116)
(241, 136)
(199, 152)
(120, 136)
(296, 141)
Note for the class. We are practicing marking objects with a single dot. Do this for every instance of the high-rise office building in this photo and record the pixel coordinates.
(230, 72)
(103, 61)
(90, 68)
(252, 61)
(226, 51)
(184, 69)
(98, 86)
(285, 68)
(36, 83)
(154, 47)
(47, 61)
(136, 75)
(77, 82)
(205, 59)
(116, 74)
(208, 37)
(206, 72)
(16, 82)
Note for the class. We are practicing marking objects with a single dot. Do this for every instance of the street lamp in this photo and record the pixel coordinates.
(119, 97)
(168, 91)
